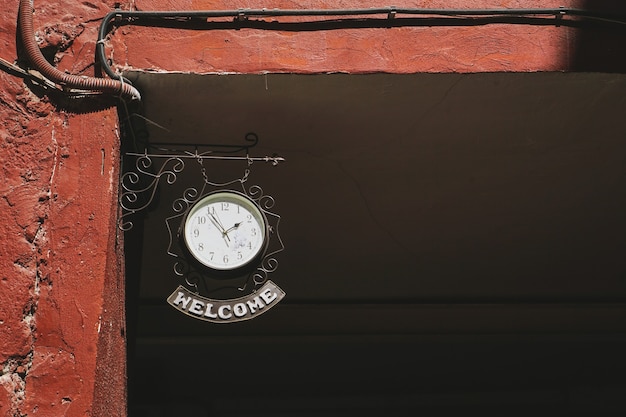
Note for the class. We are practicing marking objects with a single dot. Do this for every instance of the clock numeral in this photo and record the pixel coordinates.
(211, 255)
(225, 206)
(201, 220)
(200, 246)
(196, 232)
(225, 259)
(249, 218)
(253, 231)
(239, 255)
(211, 209)
(250, 245)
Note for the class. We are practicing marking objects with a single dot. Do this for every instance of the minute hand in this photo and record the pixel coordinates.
(218, 224)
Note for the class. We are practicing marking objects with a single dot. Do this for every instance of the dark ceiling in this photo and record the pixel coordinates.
(430, 221)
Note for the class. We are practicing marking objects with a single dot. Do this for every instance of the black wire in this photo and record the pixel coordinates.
(198, 20)
(561, 11)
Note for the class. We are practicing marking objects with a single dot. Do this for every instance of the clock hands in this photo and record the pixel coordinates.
(218, 224)
(233, 228)
(216, 221)
(237, 219)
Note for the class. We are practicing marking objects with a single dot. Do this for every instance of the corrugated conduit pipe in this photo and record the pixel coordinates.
(104, 85)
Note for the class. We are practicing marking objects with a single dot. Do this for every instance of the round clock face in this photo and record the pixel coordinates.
(225, 231)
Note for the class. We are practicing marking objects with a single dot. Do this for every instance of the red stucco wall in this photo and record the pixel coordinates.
(61, 287)
(61, 284)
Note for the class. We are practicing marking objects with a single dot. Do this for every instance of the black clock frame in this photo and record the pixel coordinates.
(242, 270)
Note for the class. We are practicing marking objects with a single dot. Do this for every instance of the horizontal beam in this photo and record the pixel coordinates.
(399, 319)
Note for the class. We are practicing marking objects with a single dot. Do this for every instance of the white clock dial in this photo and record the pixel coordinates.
(225, 231)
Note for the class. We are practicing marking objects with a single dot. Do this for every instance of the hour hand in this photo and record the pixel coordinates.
(233, 228)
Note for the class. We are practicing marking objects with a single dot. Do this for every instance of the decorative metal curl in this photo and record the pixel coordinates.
(194, 277)
(266, 202)
(139, 187)
(180, 206)
(181, 268)
(269, 263)
(258, 278)
(190, 195)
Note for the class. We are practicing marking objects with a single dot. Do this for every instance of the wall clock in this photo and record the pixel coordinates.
(223, 236)
(225, 231)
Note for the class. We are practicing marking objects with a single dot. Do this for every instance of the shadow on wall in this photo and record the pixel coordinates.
(600, 47)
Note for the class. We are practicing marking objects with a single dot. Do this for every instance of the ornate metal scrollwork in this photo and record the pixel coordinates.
(139, 185)
(195, 276)
(269, 263)
(164, 167)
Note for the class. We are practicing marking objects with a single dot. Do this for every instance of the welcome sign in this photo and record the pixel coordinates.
(229, 310)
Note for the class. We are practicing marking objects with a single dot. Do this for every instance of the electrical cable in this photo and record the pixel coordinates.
(40, 63)
(561, 11)
(36, 78)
